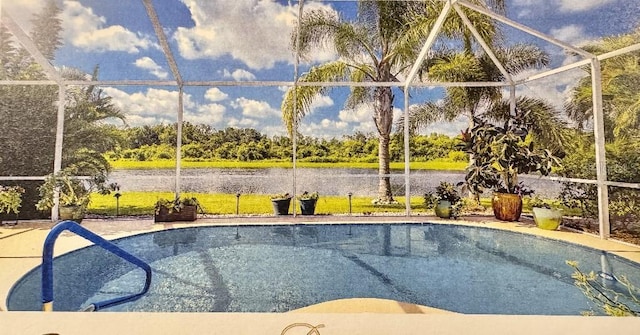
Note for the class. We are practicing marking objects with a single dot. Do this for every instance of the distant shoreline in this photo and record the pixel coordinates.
(438, 165)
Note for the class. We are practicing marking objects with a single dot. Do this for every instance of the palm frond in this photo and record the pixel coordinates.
(456, 67)
(317, 29)
(305, 95)
(546, 125)
(520, 57)
(426, 114)
(359, 94)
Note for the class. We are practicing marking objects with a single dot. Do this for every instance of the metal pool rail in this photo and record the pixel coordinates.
(47, 265)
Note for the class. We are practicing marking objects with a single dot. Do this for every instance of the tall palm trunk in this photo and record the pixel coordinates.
(472, 160)
(383, 118)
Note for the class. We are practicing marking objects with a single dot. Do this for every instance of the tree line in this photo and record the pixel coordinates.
(202, 142)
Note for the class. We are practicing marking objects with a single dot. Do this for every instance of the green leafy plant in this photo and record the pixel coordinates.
(283, 196)
(308, 196)
(501, 153)
(177, 204)
(10, 199)
(73, 191)
(430, 200)
(447, 191)
(612, 302)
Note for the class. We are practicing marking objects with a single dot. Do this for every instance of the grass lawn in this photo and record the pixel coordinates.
(139, 203)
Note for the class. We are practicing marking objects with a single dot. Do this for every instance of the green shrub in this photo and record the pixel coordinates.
(458, 156)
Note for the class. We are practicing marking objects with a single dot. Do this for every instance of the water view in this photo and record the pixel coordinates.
(334, 181)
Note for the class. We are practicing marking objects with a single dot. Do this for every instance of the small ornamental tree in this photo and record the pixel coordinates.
(501, 153)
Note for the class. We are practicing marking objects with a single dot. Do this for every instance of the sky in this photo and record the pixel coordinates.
(249, 40)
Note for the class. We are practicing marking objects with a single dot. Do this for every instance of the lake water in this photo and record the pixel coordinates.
(334, 181)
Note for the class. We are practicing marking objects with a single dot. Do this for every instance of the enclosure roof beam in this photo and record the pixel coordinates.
(526, 29)
(585, 62)
(27, 43)
(484, 44)
(551, 72)
(162, 38)
(621, 51)
(258, 83)
(28, 82)
(429, 42)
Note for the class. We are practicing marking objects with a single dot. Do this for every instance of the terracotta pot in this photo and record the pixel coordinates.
(507, 206)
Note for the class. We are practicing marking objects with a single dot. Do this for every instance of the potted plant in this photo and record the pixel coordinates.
(545, 216)
(308, 202)
(446, 202)
(500, 154)
(73, 193)
(281, 203)
(11, 199)
(178, 209)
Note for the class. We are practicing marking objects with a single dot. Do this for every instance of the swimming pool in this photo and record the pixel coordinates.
(280, 268)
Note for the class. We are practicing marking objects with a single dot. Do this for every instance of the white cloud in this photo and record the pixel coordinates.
(447, 128)
(239, 75)
(215, 94)
(581, 5)
(252, 31)
(325, 128)
(362, 113)
(212, 114)
(254, 108)
(274, 131)
(153, 68)
(321, 101)
(532, 8)
(554, 89)
(572, 34)
(155, 106)
(242, 123)
(86, 30)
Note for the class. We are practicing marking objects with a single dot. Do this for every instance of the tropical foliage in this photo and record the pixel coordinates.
(28, 130)
(501, 153)
(379, 45)
(10, 199)
(468, 65)
(203, 143)
(621, 107)
(72, 191)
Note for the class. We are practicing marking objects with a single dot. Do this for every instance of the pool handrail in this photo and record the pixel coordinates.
(47, 265)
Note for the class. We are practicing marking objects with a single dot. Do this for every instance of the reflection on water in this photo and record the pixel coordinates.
(360, 182)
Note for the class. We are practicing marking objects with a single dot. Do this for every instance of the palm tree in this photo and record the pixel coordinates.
(86, 136)
(381, 44)
(620, 89)
(467, 66)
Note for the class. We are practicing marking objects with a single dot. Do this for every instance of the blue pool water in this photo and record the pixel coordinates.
(281, 268)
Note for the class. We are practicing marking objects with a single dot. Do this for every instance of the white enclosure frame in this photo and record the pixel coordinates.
(449, 6)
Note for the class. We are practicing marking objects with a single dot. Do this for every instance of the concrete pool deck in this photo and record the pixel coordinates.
(21, 250)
